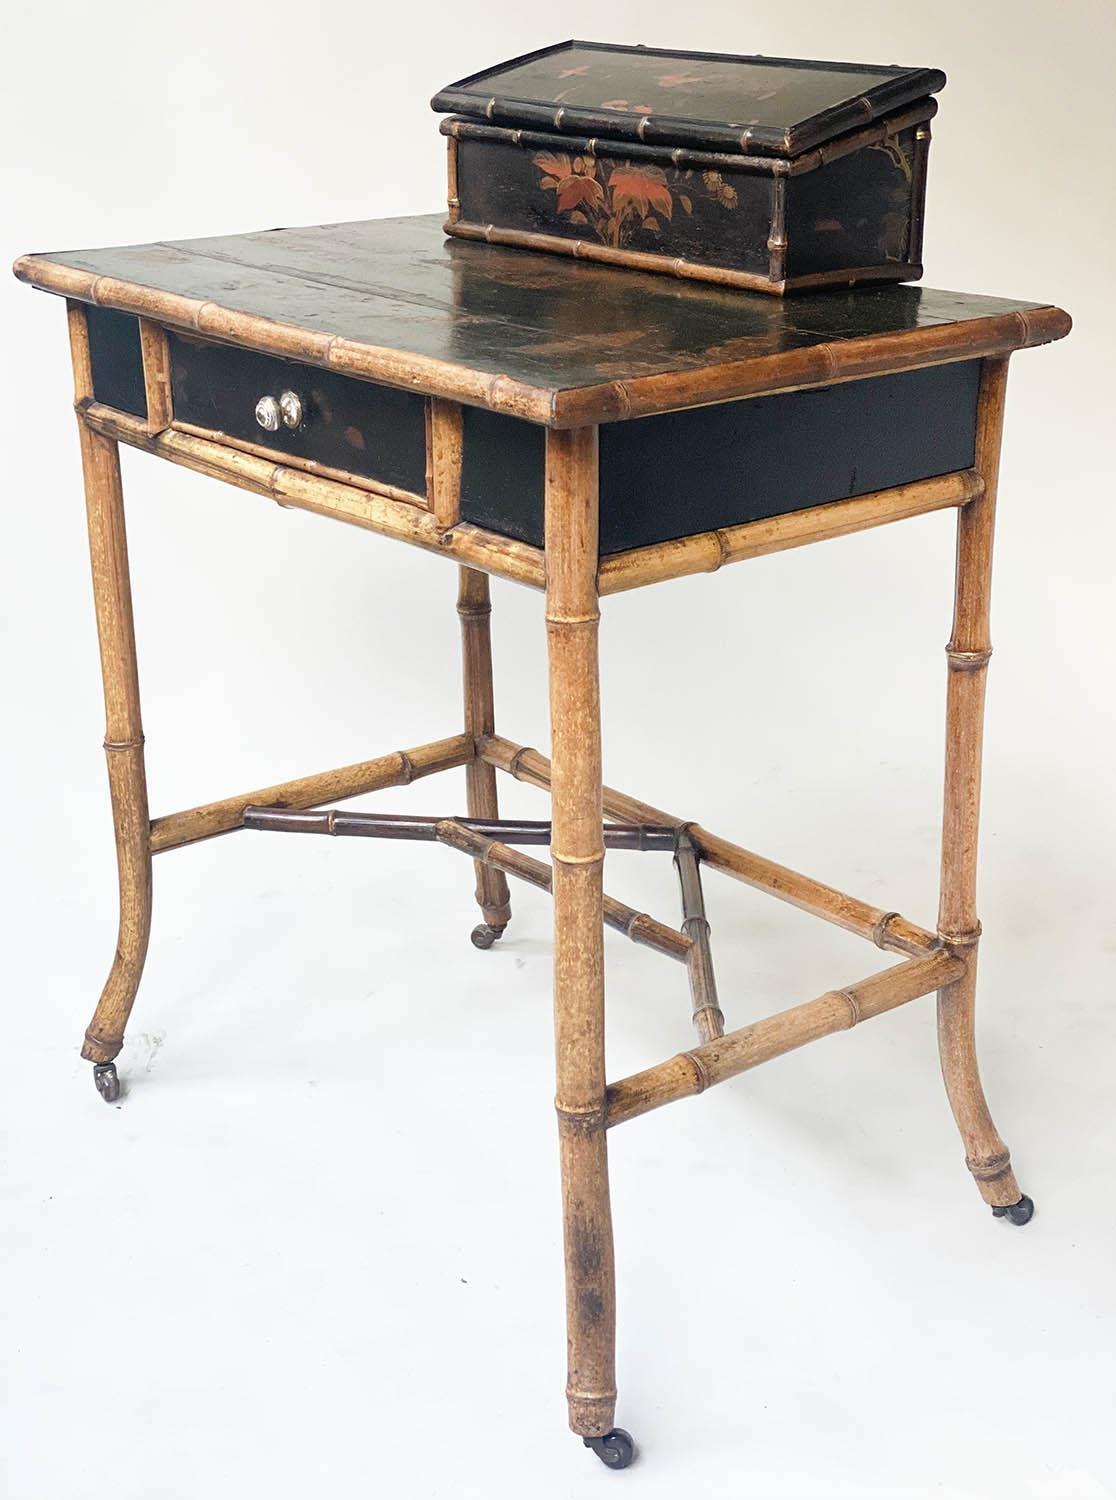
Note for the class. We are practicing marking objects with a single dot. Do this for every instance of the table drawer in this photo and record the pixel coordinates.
(347, 425)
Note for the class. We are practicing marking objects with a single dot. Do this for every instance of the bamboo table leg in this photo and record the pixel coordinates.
(108, 550)
(475, 609)
(577, 851)
(968, 652)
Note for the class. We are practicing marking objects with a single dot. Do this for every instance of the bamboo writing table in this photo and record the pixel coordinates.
(582, 431)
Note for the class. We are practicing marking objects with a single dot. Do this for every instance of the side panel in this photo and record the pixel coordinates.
(692, 471)
(114, 353)
(854, 212)
(502, 468)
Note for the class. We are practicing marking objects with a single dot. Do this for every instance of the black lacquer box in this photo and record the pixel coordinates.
(771, 174)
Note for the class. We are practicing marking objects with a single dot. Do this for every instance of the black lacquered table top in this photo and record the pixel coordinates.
(542, 336)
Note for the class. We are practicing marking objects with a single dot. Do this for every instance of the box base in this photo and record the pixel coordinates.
(687, 270)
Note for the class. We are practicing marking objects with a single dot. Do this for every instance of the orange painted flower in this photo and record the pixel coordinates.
(576, 191)
(552, 165)
(641, 190)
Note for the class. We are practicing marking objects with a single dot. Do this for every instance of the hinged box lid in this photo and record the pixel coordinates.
(756, 106)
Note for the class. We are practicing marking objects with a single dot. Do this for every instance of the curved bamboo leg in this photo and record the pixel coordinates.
(475, 609)
(108, 549)
(968, 652)
(577, 851)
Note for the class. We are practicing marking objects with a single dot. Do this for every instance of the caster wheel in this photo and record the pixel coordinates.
(615, 1450)
(106, 1081)
(1017, 1213)
(484, 936)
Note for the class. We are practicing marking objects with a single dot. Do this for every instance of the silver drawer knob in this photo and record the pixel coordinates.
(290, 408)
(268, 413)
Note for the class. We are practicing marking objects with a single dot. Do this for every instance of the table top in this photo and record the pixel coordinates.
(551, 339)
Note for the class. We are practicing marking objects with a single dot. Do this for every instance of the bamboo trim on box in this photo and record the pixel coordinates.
(575, 406)
(918, 191)
(342, 502)
(453, 202)
(675, 265)
(707, 551)
(716, 1061)
(887, 929)
(399, 768)
(682, 157)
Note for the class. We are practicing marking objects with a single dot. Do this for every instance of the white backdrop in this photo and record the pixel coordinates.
(317, 1249)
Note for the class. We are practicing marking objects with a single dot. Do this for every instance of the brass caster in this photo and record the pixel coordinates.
(106, 1081)
(1017, 1213)
(615, 1450)
(483, 936)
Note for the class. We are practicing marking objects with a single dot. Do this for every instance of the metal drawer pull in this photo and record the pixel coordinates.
(290, 406)
(268, 414)
(286, 412)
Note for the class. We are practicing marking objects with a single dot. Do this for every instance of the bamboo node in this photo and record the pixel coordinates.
(572, 1394)
(967, 661)
(966, 939)
(701, 1076)
(596, 858)
(830, 361)
(879, 932)
(407, 766)
(716, 1015)
(988, 1168)
(849, 997)
(515, 766)
(136, 744)
(586, 1120)
(587, 619)
(623, 399)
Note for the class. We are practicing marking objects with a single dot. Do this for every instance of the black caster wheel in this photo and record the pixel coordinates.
(483, 936)
(106, 1081)
(615, 1450)
(1017, 1213)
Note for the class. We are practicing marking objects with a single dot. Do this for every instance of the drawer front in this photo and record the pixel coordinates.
(348, 425)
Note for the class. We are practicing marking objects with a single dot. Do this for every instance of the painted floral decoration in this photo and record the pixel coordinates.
(615, 199)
